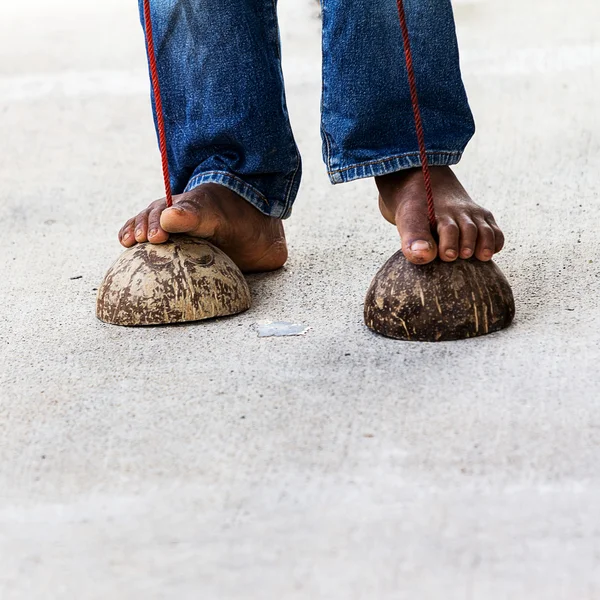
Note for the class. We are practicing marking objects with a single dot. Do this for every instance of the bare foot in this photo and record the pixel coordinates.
(252, 240)
(464, 228)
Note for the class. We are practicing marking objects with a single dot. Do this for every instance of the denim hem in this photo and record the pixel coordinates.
(292, 189)
(391, 164)
(248, 192)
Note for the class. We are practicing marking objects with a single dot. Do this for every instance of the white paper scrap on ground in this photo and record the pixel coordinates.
(280, 328)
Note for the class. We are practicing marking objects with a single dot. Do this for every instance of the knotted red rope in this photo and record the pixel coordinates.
(417, 114)
(160, 119)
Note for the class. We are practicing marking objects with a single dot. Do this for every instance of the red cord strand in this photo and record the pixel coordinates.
(417, 114)
(160, 119)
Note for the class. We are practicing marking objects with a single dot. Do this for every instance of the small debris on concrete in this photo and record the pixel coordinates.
(280, 329)
(76, 277)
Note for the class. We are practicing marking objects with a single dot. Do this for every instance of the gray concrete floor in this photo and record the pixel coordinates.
(203, 462)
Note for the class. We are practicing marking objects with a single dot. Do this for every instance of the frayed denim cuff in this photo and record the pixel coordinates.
(277, 210)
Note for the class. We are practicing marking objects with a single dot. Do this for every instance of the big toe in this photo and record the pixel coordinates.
(179, 219)
(421, 251)
(418, 244)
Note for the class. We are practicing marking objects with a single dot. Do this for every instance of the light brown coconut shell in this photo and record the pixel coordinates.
(439, 301)
(185, 279)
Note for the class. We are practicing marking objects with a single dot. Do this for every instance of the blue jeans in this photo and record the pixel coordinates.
(226, 119)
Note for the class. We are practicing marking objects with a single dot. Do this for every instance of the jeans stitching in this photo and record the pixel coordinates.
(290, 187)
(328, 146)
(277, 44)
(394, 157)
(323, 78)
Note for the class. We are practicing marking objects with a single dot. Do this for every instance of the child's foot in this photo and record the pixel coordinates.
(252, 240)
(464, 228)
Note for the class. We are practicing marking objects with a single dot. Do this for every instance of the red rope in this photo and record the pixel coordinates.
(160, 119)
(417, 114)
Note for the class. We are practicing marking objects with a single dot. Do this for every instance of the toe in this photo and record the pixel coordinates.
(418, 244)
(126, 236)
(448, 232)
(141, 227)
(180, 219)
(156, 234)
(468, 238)
(486, 242)
(498, 235)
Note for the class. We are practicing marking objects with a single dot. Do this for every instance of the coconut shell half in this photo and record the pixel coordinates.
(185, 279)
(440, 301)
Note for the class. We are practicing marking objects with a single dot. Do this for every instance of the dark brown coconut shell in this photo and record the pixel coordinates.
(439, 301)
(185, 279)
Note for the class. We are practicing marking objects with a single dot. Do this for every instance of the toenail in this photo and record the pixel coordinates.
(153, 232)
(138, 232)
(487, 254)
(467, 252)
(126, 236)
(451, 253)
(420, 246)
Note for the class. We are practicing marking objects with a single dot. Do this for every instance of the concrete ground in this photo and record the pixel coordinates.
(204, 462)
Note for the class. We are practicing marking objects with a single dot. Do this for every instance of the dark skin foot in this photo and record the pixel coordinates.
(465, 229)
(252, 240)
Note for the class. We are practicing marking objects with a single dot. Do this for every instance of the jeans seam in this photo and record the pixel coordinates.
(324, 133)
(430, 153)
(328, 149)
(274, 4)
(290, 187)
